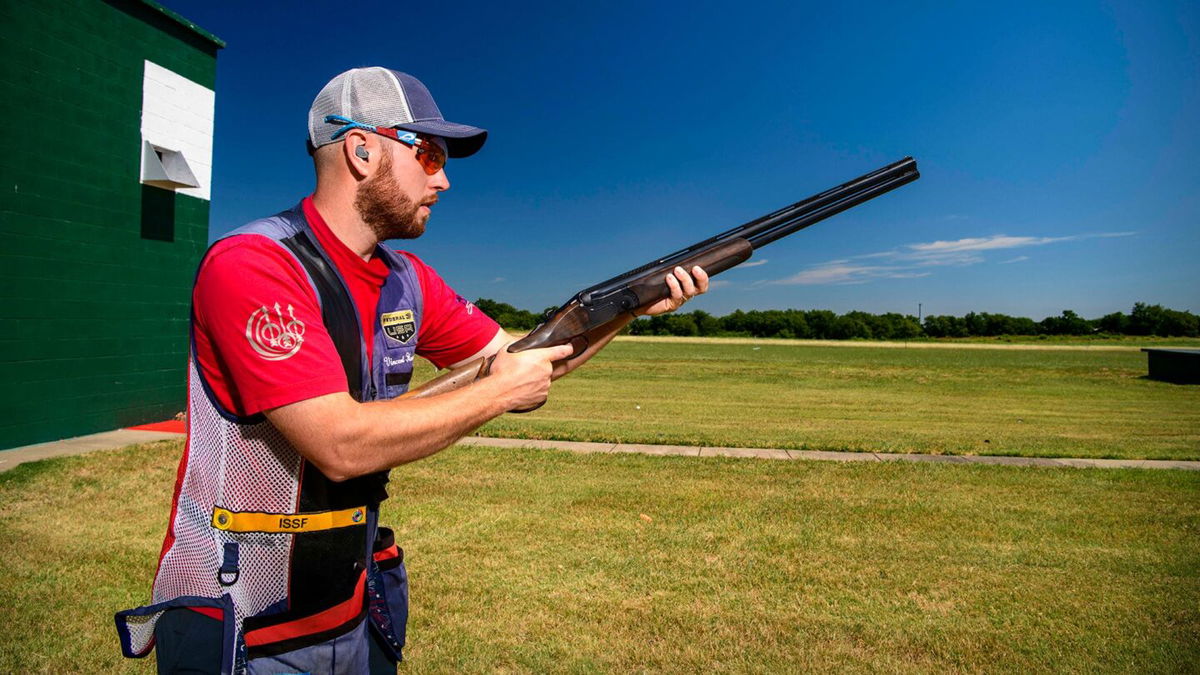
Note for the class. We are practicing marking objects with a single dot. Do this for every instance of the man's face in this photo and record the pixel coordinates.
(395, 201)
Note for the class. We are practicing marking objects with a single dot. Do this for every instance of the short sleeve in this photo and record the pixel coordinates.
(260, 340)
(452, 329)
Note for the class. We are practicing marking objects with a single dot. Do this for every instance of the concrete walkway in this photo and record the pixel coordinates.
(111, 440)
(772, 453)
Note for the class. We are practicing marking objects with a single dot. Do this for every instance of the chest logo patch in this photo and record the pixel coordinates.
(274, 336)
(399, 326)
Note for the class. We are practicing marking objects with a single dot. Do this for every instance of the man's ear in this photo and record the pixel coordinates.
(360, 152)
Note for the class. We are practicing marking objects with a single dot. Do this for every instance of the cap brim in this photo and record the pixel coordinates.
(461, 140)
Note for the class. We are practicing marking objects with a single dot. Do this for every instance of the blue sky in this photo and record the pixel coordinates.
(1058, 142)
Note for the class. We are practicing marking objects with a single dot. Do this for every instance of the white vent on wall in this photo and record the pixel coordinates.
(166, 168)
(177, 132)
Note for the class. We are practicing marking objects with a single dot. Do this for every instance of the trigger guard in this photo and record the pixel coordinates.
(579, 344)
(485, 368)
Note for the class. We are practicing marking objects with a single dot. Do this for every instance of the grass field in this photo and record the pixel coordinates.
(1125, 342)
(537, 561)
(1077, 340)
(959, 399)
(541, 561)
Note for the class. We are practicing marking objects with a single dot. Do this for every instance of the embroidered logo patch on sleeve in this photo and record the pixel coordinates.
(398, 326)
(274, 336)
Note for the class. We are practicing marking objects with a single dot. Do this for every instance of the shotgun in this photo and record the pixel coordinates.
(590, 312)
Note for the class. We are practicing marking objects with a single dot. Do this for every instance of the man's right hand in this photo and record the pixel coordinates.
(523, 378)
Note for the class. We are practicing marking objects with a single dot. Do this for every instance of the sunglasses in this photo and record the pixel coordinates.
(430, 155)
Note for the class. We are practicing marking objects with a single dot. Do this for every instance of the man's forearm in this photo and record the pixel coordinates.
(397, 432)
(345, 439)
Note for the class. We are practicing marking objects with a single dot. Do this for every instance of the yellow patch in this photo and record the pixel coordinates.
(394, 318)
(250, 521)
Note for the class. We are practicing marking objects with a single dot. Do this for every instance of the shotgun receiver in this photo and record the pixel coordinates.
(590, 312)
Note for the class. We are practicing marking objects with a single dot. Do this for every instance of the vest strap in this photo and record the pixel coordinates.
(284, 523)
(337, 308)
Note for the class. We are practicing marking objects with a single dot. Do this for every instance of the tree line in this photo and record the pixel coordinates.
(822, 324)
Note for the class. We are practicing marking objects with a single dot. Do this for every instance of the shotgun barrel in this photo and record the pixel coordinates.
(771, 227)
(776, 225)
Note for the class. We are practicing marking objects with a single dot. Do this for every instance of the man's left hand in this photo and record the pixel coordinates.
(683, 287)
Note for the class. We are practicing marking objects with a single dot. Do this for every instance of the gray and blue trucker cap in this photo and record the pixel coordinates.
(387, 98)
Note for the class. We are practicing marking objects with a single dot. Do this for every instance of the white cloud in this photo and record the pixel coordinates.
(848, 274)
(983, 243)
(830, 274)
(1014, 260)
(498, 280)
(754, 263)
(907, 261)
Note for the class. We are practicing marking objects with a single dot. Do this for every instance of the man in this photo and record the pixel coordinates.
(304, 330)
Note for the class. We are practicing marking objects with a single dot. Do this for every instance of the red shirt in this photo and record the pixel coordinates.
(249, 275)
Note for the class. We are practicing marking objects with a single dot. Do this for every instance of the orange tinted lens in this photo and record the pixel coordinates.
(431, 156)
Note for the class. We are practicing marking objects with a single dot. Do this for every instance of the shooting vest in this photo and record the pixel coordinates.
(292, 560)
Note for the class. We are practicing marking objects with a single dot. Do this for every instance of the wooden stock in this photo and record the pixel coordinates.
(456, 378)
(651, 288)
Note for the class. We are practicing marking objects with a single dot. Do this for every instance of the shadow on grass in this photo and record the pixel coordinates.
(22, 474)
(1155, 379)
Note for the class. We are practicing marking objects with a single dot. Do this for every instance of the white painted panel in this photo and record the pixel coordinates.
(177, 114)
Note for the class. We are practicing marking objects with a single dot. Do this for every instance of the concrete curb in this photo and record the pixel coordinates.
(821, 455)
(108, 440)
(112, 440)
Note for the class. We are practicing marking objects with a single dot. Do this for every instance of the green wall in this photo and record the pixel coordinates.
(95, 268)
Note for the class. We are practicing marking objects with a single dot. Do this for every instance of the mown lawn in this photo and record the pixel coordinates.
(746, 393)
(1077, 340)
(543, 561)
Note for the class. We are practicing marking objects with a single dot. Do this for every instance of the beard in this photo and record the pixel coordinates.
(385, 208)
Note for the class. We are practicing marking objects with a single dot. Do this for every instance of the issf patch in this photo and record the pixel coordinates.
(399, 326)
